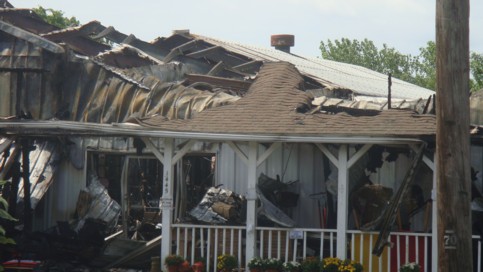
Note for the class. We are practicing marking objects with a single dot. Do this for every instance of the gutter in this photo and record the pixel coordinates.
(62, 128)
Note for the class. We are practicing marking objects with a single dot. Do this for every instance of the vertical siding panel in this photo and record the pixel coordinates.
(227, 166)
(5, 86)
(274, 163)
(61, 198)
(307, 213)
(477, 164)
(263, 168)
(240, 171)
(289, 170)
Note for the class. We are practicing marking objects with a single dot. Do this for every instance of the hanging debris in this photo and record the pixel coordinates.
(220, 206)
(95, 203)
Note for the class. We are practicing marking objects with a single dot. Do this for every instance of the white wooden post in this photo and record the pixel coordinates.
(434, 223)
(251, 240)
(342, 201)
(434, 220)
(167, 199)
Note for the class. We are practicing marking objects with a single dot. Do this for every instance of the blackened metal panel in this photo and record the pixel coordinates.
(44, 161)
(5, 94)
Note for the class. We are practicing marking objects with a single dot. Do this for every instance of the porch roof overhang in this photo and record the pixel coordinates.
(53, 128)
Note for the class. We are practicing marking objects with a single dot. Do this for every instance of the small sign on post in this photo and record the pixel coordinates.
(296, 234)
(449, 239)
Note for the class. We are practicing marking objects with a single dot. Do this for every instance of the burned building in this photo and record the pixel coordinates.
(125, 139)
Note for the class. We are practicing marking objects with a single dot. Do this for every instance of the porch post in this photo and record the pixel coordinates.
(251, 240)
(167, 199)
(434, 223)
(342, 202)
(434, 218)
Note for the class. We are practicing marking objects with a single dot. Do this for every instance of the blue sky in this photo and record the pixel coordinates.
(404, 24)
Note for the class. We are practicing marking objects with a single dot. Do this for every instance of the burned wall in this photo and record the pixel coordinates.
(27, 78)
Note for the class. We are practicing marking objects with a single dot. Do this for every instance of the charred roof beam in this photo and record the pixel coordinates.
(104, 33)
(85, 29)
(111, 34)
(219, 82)
(216, 69)
(249, 67)
(204, 52)
(179, 50)
(129, 39)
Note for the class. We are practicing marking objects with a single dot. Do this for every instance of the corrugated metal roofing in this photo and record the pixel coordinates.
(333, 74)
(366, 103)
(29, 37)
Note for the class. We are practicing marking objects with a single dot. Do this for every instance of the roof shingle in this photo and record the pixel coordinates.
(274, 105)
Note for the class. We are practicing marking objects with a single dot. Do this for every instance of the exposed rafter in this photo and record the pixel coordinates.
(204, 52)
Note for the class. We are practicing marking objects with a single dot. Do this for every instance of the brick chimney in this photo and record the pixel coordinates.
(282, 42)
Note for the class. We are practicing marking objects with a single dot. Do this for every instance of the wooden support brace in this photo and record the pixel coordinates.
(238, 151)
(267, 153)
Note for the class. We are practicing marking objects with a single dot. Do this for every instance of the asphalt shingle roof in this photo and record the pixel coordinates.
(274, 105)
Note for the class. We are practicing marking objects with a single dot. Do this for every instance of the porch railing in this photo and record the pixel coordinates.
(404, 247)
(200, 242)
(296, 244)
(196, 242)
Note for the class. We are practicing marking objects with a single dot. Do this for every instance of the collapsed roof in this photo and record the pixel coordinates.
(288, 112)
(110, 76)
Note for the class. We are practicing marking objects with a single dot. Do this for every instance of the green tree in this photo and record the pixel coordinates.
(365, 53)
(476, 68)
(56, 17)
(426, 66)
(420, 70)
(4, 215)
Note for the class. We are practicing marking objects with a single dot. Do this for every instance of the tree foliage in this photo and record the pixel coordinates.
(56, 17)
(366, 54)
(476, 68)
(420, 70)
(426, 66)
(4, 215)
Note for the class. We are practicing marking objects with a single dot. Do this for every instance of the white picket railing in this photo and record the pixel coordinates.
(296, 244)
(477, 262)
(195, 242)
(405, 247)
(207, 242)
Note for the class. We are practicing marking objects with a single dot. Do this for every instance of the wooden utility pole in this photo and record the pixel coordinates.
(452, 136)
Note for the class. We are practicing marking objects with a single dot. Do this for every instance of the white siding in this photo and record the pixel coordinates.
(292, 162)
(60, 201)
(304, 162)
(477, 164)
